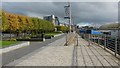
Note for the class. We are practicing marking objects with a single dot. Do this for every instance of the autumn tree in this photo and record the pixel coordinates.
(15, 23)
(4, 22)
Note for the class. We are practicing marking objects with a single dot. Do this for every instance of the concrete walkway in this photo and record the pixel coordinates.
(18, 53)
(94, 55)
(56, 54)
(59, 55)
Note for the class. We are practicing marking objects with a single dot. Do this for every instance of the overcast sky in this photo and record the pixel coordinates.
(83, 13)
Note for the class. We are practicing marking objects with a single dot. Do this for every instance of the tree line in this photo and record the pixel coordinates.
(15, 23)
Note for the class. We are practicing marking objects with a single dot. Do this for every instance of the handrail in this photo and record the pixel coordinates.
(104, 40)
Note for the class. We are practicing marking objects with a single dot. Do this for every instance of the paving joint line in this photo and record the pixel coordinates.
(101, 55)
(83, 55)
(89, 56)
(97, 58)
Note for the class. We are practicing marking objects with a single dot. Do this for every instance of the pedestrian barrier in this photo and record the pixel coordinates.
(106, 41)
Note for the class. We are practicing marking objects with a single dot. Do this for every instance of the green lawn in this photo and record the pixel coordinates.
(7, 43)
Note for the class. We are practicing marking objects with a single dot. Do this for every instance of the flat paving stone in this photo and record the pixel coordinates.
(56, 54)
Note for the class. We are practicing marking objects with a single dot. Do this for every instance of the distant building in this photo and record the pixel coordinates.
(112, 33)
(50, 18)
(107, 32)
(111, 29)
(53, 19)
(57, 22)
(87, 27)
(95, 32)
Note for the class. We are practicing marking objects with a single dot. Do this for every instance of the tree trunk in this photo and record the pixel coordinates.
(36, 32)
(10, 34)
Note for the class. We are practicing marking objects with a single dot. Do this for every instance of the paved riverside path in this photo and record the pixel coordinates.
(94, 55)
(56, 54)
(18, 53)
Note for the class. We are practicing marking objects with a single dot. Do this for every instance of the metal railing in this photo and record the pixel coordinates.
(106, 41)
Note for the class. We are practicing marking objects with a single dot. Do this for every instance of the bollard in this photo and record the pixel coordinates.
(116, 46)
(43, 39)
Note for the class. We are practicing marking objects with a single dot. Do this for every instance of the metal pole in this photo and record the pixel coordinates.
(89, 39)
(115, 46)
(98, 40)
(93, 38)
(70, 15)
(105, 42)
(66, 40)
(77, 39)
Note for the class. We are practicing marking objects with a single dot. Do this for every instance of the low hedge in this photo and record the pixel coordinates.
(32, 39)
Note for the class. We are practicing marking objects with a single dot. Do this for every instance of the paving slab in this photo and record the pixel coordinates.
(56, 54)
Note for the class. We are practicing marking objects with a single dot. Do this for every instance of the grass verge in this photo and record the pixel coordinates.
(7, 43)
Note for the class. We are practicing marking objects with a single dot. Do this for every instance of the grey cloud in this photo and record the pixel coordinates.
(89, 12)
(96, 12)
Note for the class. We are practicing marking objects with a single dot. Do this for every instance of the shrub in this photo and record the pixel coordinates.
(62, 28)
(27, 37)
(12, 39)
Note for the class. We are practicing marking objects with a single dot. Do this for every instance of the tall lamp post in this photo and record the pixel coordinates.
(68, 17)
(68, 13)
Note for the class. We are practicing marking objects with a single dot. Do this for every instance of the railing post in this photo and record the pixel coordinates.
(93, 38)
(84, 36)
(115, 46)
(89, 39)
(77, 39)
(105, 42)
(98, 40)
